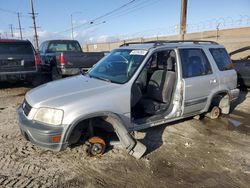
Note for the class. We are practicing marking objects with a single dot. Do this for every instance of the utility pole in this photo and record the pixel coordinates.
(20, 28)
(183, 19)
(11, 31)
(33, 15)
(72, 27)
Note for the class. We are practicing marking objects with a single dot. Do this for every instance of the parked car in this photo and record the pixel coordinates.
(135, 87)
(18, 61)
(241, 61)
(65, 58)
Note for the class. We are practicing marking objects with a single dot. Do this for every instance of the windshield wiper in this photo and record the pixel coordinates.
(100, 78)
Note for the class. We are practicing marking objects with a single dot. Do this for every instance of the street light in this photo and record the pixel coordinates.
(72, 26)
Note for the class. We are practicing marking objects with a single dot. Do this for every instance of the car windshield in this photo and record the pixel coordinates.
(119, 66)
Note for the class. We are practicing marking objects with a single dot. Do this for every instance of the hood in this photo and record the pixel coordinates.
(68, 90)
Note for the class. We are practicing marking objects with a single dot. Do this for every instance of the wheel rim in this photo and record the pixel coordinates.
(215, 112)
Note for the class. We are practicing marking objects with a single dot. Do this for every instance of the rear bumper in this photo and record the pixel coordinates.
(38, 133)
(234, 94)
(69, 71)
(19, 75)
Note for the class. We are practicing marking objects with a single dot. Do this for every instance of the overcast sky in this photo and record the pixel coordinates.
(107, 20)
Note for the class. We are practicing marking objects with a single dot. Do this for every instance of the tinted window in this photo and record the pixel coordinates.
(16, 48)
(221, 58)
(194, 63)
(61, 46)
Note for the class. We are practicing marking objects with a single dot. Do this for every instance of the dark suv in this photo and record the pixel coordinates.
(18, 61)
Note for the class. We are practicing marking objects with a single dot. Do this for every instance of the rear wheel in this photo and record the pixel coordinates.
(214, 113)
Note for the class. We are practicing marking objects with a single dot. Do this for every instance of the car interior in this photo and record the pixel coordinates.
(151, 93)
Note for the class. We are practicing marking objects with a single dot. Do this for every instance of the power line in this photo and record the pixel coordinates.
(8, 11)
(132, 9)
(114, 10)
(100, 17)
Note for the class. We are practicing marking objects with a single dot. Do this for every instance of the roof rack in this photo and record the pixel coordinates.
(162, 42)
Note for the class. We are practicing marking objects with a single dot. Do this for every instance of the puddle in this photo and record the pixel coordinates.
(234, 122)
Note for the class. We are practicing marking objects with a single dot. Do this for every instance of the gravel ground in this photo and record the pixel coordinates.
(188, 153)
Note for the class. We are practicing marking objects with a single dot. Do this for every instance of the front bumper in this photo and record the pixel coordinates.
(40, 134)
(234, 94)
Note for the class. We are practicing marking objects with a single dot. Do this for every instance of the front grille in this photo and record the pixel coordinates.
(26, 107)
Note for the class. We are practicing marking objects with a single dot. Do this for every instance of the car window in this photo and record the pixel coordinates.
(64, 46)
(16, 48)
(194, 63)
(221, 58)
(41, 48)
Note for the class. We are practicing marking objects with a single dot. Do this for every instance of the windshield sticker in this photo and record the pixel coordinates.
(138, 52)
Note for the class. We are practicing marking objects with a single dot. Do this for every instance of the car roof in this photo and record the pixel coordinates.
(61, 40)
(14, 40)
(171, 44)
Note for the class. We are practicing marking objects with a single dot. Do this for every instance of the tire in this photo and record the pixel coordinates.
(55, 75)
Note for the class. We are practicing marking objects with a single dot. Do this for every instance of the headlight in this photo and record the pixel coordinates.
(49, 116)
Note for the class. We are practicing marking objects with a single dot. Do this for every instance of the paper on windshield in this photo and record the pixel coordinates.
(138, 52)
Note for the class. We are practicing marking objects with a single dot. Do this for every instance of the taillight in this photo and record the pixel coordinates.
(37, 59)
(62, 59)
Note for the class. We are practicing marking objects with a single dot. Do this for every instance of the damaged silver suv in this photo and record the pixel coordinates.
(137, 86)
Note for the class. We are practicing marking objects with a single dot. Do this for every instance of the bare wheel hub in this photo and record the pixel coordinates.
(96, 146)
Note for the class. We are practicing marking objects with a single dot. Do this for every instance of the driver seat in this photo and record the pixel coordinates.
(160, 89)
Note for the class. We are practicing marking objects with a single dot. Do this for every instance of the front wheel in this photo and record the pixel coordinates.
(55, 75)
(96, 146)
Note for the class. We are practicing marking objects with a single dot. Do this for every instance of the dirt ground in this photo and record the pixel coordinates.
(188, 153)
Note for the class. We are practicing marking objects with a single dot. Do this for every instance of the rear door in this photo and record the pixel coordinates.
(198, 77)
(16, 56)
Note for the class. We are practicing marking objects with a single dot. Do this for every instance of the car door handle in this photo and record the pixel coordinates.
(213, 81)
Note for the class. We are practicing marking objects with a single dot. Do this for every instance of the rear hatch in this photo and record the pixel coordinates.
(16, 56)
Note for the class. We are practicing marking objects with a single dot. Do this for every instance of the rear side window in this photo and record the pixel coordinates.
(15, 48)
(221, 58)
(194, 63)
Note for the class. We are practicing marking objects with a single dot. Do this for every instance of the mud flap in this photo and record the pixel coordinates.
(133, 147)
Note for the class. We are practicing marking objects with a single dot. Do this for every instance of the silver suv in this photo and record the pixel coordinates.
(136, 86)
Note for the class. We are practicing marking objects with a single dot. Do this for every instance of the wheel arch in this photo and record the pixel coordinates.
(221, 99)
(132, 146)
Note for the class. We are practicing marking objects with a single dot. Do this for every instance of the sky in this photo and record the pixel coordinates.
(111, 20)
